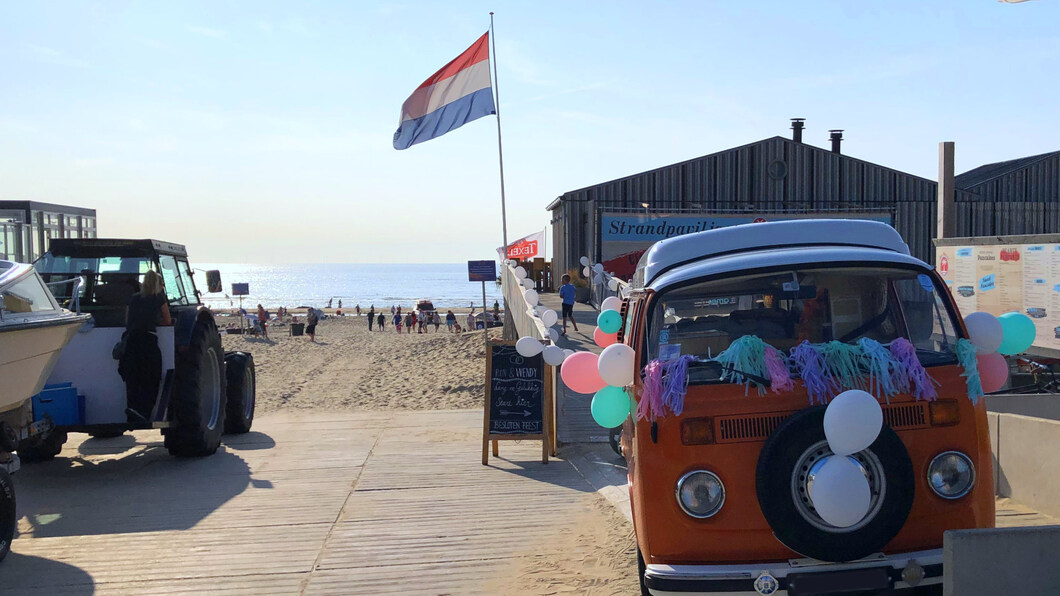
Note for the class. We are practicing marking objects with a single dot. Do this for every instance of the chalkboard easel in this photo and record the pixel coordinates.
(518, 404)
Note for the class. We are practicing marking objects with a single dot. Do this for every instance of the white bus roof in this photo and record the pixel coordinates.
(674, 252)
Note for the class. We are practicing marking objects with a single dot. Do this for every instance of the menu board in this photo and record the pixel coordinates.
(1001, 278)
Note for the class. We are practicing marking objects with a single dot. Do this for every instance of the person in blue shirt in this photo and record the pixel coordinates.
(566, 292)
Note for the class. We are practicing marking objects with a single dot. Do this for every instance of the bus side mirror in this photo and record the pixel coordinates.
(213, 281)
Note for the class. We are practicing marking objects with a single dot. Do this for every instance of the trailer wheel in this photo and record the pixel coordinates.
(42, 447)
(7, 513)
(242, 387)
(197, 411)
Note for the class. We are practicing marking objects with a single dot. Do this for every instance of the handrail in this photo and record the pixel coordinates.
(74, 293)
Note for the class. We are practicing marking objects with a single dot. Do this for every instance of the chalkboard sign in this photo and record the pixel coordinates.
(517, 398)
(516, 392)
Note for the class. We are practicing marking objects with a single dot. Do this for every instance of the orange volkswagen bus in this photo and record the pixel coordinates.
(722, 492)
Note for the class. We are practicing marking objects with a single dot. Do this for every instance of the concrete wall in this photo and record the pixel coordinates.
(1027, 460)
(1002, 562)
(1041, 406)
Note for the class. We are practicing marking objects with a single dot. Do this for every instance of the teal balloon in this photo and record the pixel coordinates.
(609, 321)
(610, 406)
(1018, 333)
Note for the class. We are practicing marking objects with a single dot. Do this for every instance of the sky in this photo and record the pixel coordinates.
(262, 131)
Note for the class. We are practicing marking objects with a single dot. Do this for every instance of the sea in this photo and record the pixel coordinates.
(314, 284)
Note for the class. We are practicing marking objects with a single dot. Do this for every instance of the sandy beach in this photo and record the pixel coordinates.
(349, 367)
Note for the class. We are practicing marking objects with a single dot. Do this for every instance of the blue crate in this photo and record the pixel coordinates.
(61, 403)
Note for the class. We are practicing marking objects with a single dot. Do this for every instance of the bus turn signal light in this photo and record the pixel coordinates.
(697, 431)
(944, 412)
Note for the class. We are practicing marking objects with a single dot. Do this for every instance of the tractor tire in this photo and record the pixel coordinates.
(242, 385)
(42, 447)
(7, 513)
(107, 432)
(197, 408)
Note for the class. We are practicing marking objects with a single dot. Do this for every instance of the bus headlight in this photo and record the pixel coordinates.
(951, 475)
(700, 493)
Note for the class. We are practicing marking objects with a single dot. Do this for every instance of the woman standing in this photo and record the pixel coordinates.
(311, 320)
(140, 365)
(450, 318)
(263, 317)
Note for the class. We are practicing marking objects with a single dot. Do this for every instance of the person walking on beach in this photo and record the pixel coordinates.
(408, 322)
(471, 320)
(566, 293)
(450, 318)
(358, 310)
(392, 309)
(311, 320)
(412, 321)
(438, 320)
(397, 323)
(263, 318)
(371, 318)
(340, 302)
(382, 321)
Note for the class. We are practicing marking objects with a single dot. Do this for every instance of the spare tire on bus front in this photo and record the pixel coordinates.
(781, 485)
(241, 378)
(197, 407)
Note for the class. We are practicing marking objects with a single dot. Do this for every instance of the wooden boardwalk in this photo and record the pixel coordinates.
(309, 503)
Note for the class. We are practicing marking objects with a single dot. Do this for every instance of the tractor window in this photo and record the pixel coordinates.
(109, 282)
(189, 283)
(171, 276)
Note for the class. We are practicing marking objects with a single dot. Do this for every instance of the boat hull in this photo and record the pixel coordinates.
(28, 354)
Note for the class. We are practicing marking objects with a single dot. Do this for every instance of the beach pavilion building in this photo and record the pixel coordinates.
(784, 178)
(27, 227)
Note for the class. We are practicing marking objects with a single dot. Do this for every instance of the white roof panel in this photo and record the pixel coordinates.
(674, 252)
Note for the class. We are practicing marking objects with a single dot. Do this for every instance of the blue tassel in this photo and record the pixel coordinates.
(966, 356)
(747, 354)
(884, 376)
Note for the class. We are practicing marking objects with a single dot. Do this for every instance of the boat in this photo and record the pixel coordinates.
(33, 331)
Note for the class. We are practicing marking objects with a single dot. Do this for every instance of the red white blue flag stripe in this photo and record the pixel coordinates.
(455, 95)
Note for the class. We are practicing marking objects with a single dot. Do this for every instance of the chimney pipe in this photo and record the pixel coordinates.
(837, 139)
(796, 129)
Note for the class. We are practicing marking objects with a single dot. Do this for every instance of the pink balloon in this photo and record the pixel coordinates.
(580, 373)
(993, 371)
(604, 339)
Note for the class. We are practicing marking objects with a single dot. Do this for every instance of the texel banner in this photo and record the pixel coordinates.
(525, 248)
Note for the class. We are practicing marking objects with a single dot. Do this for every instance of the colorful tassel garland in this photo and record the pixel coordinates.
(881, 366)
(746, 354)
(779, 375)
(909, 374)
(650, 405)
(675, 383)
(966, 356)
(843, 362)
(811, 367)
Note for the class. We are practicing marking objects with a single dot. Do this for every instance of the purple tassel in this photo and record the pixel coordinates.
(910, 375)
(779, 375)
(650, 405)
(810, 364)
(675, 383)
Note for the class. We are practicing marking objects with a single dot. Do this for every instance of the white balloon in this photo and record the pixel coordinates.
(549, 317)
(840, 492)
(615, 365)
(567, 353)
(539, 310)
(553, 355)
(611, 303)
(527, 283)
(852, 422)
(531, 297)
(520, 272)
(553, 335)
(612, 284)
(528, 346)
(599, 267)
(584, 261)
(586, 272)
(985, 331)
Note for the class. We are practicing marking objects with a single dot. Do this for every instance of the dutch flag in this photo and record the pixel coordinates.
(455, 95)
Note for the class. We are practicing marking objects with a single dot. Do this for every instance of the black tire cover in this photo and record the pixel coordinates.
(773, 486)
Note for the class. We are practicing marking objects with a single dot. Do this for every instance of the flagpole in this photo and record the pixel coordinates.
(500, 148)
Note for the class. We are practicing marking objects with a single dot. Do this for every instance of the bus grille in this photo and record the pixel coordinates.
(758, 427)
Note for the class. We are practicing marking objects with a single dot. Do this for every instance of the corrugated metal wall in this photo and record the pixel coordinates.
(776, 175)
(1026, 201)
